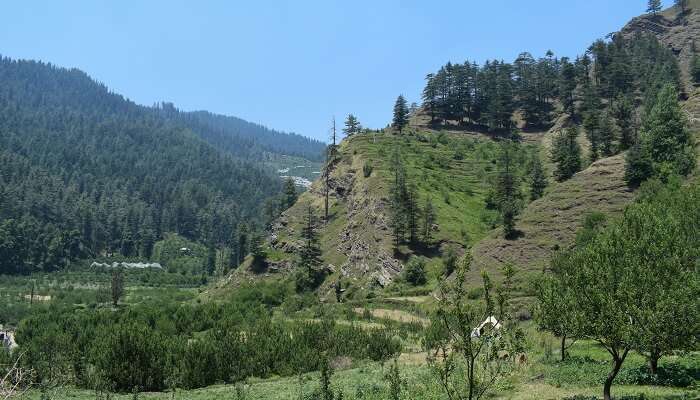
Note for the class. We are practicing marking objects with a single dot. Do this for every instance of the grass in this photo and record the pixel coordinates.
(452, 169)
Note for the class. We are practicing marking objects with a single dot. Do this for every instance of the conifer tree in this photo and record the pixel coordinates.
(695, 69)
(538, 180)
(290, 193)
(309, 254)
(622, 111)
(654, 6)
(428, 221)
(117, 286)
(352, 125)
(607, 134)
(507, 190)
(412, 212)
(666, 134)
(682, 5)
(638, 165)
(400, 113)
(566, 154)
(399, 194)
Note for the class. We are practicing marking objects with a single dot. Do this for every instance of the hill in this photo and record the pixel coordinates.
(86, 172)
(469, 109)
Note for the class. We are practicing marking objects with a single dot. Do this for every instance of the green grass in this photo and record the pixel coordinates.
(454, 170)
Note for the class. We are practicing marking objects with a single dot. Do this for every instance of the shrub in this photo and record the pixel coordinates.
(367, 170)
(414, 272)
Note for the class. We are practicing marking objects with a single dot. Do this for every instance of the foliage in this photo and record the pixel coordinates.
(414, 271)
(636, 279)
(566, 153)
(151, 347)
(467, 365)
(117, 286)
(400, 114)
(119, 176)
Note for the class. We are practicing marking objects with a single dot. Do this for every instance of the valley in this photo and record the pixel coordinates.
(530, 230)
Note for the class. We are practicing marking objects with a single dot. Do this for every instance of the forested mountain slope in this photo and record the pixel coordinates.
(244, 139)
(84, 172)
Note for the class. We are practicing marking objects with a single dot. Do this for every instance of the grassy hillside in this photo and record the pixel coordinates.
(453, 169)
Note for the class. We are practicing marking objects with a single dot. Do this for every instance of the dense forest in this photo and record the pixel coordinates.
(241, 138)
(86, 172)
(489, 95)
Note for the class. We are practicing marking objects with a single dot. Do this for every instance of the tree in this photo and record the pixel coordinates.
(638, 165)
(666, 136)
(428, 221)
(414, 272)
(622, 111)
(449, 260)
(412, 212)
(399, 196)
(467, 363)
(309, 255)
(538, 179)
(117, 286)
(566, 153)
(352, 125)
(654, 6)
(290, 193)
(607, 134)
(682, 4)
(507, 188)
(635, 277)
(400, 113)
(695, 69)
(551, 314)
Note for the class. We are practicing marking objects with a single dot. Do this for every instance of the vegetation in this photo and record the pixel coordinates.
(631, 280)
(666, 146)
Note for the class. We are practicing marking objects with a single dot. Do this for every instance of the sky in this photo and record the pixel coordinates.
(293, 65)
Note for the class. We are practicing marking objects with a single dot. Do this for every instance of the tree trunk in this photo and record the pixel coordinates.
(654, 356)
(563, 347)
(617, 364)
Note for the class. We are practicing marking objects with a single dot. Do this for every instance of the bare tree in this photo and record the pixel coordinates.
(15, 381)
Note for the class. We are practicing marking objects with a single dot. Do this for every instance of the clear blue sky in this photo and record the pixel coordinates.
(291, 65)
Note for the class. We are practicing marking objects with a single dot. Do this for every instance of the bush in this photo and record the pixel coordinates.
(414, 272)
(367, 170)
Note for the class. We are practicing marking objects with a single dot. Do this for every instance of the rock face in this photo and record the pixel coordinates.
(676, 31)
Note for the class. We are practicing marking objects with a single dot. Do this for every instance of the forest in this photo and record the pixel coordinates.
(87, 173)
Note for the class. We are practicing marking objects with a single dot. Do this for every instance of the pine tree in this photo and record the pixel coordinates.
(290, 193)
(566, 154)
(682, 4)
(622, 111)
(399, 195)
(352, 125)
(117, 286)
(507, 190)
(638, 165)
(538, 180)
(400, 113)
(654, 6)
(695, 69)
(309, 254)
(607, 134)
(428, 221)
(412, 213)
(666, 134)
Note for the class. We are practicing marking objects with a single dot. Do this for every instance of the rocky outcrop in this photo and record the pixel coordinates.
(676, 31)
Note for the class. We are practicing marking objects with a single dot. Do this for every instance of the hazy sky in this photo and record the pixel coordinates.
(291, 65)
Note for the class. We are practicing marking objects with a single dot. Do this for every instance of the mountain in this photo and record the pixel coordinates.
(452, 156)
(85, 172)
(244, 139)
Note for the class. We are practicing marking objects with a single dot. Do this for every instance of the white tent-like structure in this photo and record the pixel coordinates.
(490, 321)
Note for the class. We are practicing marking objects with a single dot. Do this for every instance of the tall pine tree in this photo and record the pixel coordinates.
(400, 114)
